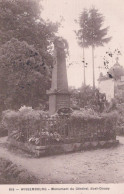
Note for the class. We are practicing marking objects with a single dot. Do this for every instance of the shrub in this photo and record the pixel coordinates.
(37, 128)
(3, 130)
(120, 121)
(89, 123)
(13, 174)
(88, 97)
(19, 122)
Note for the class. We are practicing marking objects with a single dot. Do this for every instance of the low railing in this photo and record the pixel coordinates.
(64, 129)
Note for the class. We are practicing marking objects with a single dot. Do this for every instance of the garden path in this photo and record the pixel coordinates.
(96, 166)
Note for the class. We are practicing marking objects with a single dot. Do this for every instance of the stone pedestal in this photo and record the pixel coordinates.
(58, 101)
(59, 96)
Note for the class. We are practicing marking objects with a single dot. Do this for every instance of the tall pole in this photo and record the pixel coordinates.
(93, 47)
(84, 66)
(93, 66)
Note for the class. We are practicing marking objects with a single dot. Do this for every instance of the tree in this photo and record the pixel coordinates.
(92, 32)
(23, 78)
(25, 53)
(21, 19)
(82, 34)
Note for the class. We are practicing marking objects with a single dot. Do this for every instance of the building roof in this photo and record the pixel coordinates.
(115, 72)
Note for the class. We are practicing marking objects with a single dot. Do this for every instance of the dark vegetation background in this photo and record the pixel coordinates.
(25, 54)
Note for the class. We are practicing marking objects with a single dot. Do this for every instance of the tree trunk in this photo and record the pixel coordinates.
(84, 66)
(93, 66)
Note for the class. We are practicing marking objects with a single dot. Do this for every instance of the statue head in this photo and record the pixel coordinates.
(59, 43)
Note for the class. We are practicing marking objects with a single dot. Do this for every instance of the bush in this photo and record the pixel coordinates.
(3, 131)
(90, 124)
(13, 174)
(88, 97)
(90, 114)
(120, 121)
(21, 121)
(37, 128)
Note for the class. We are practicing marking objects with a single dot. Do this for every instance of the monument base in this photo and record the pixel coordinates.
(58, 100)
(39, 151)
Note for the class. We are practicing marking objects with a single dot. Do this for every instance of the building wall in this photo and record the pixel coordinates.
(107, 87)
(119, 88)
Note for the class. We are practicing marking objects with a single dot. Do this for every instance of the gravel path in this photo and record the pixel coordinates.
(96, 166)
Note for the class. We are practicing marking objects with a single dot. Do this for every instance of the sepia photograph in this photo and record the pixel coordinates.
(62, 95)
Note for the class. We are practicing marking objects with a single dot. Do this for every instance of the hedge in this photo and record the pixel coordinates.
(38, 127)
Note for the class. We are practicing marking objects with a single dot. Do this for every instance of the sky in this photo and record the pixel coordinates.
(70, 10)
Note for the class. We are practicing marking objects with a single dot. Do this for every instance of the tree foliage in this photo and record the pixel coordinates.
(91, 32)
(83, 31)
(25, 53)
(24, 79)
(87, 97)
(21, 19)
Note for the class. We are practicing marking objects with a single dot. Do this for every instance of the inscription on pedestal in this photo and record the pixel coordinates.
(63, 101)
